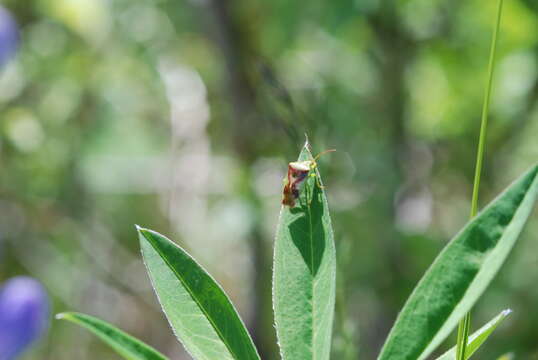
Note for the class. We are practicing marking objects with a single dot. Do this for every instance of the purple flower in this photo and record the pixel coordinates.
(24, 314)
(9, 36)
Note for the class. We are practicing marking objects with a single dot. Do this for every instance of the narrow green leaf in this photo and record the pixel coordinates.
(461, 273)
(477, 338)
(200, 313)
(124, 344)
(304, 274)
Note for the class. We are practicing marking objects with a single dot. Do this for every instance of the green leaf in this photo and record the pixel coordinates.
(200, 313)
(461, 273)
(477, 338)
(304, 274)
(124, 344)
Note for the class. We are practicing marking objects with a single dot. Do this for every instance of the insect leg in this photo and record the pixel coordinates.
(318, 183)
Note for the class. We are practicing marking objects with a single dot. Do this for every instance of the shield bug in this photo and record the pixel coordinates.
(297, 173)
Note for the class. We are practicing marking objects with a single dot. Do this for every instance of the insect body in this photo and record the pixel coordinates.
(297, 173)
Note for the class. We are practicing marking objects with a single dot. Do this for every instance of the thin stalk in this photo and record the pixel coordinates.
(465, 323)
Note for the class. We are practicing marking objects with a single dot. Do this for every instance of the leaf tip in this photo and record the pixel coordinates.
(306, 142)
(150, 236)
(142, 231)
(506, 312)
(62, 316)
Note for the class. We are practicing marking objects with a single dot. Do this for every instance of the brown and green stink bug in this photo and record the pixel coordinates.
(297, 173)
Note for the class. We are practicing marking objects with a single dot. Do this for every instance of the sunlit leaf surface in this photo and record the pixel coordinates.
(304, 274)
(200, 313)
(461, 273)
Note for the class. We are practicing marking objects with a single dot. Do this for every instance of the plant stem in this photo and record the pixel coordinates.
(465, 323)
(485, 111)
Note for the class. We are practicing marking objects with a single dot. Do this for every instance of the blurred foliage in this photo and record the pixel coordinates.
(181, 115)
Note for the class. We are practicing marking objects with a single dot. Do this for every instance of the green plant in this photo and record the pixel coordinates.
(304, 277)
(205, 321)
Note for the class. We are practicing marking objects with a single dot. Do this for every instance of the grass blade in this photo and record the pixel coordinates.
(461, 273)
(304, 274)
(465, 323)
(124, 344)
(477, 338)
(200, 313)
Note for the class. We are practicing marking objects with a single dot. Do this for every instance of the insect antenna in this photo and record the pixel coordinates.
(323, 153)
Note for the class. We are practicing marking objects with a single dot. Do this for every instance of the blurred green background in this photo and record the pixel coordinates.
(181, 116)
